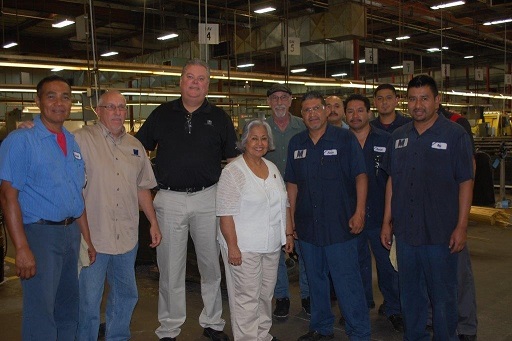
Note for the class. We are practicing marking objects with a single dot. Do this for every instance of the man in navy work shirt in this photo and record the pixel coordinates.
(193, 137)
(327, 187)
(42, 175)
(385, 99)
(428, 198)
(374, 141)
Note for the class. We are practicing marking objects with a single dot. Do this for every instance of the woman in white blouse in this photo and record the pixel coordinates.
(254, 224)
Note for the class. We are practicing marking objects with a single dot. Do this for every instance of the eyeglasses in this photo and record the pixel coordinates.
(283, 98)
(312, 110)
(188, 124)
(113, 107)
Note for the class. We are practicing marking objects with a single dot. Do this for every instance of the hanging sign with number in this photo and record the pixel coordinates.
(293, 46)
(209, 34)
(408, 68)
(371, 56)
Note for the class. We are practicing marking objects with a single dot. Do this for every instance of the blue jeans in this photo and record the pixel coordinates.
(282, 284)
(119, 270)
(50, 298)
(428, 271)
(387, 277)
(341, 260)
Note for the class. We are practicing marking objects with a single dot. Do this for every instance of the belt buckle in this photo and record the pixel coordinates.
(68, 221)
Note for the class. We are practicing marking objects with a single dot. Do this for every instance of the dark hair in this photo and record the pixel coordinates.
(313, 95)
(385, 86)
(247, 128)
(49, 79)
(357, 97)
(423, 80)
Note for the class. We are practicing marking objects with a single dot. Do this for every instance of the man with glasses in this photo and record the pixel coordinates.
(120, 178)
(327, 186)
(284, 126)
(193, 137)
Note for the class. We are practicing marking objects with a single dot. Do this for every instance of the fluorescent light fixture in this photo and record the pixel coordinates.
(397, 67)
(468, 57)
(109, 54)
(361, 61)
(56, 69)
(339, 74)
(449, 4)
(245, 65)
(389, 39)
(298, 70)
(63, 23)
(445, 48)
(265, 10)
(168, 36)
(403, 38)
(9, 45)
(437, 49)
(497, 22)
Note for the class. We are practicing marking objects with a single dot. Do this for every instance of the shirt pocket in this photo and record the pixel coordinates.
(330, 167)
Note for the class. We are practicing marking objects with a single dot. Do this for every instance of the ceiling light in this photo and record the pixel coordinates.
(497, 22)
(402, 38)
(449, 4)
(389, 39)
(361, 61)
(167, 36)
(109, 54)
(397, 67)
(56, 69)
(437, 49)
(445, 48)
(245, 65)
(9, 45)
(63, 23)
(468, 57)
(339, 74)
(298, 70)
(265, 10)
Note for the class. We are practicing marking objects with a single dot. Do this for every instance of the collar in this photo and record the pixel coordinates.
(206, 107)
(329, 134)
(436, 128)
(107, 133)
(43, 131)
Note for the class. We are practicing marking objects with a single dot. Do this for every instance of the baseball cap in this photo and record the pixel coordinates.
(278, 87)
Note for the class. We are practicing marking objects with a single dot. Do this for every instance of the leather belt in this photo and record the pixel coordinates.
(64, 222)
(183, 189)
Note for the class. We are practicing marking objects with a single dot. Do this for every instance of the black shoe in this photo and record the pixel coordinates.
(168, 339)
(382, 310)
(282, 308)
(342, 321)
(313, 336)
(102, 329)
(215, 335)
(397, 322)
(306, 306)
(463, 337)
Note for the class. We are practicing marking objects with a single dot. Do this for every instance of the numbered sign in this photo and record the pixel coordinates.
(408, 68)
(508, 79)
(479, 74)
(371, 56)
(209, 34)
(445, 70)
(293, 46)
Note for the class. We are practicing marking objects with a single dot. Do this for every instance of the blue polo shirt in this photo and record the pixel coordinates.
(325, 175)
(49, 183)
(399, 121)
(426, 171)
(374, 151)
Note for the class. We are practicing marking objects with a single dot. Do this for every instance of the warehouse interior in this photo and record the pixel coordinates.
(341, 46)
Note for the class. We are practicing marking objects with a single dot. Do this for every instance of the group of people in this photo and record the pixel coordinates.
(330, 194)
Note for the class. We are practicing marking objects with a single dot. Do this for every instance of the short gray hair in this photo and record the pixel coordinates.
(196, 61)
(247, 128)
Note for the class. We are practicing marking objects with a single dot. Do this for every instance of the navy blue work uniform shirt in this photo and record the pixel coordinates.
(325, 176)
(426, 171)
(374, 151)
(399, 121)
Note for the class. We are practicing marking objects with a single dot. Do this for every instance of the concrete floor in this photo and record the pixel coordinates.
(491, 252)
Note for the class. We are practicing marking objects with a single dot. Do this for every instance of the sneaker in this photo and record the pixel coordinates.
(306, 306)
(282, 308)
(313, 336)
(397, 322)
(215, 335)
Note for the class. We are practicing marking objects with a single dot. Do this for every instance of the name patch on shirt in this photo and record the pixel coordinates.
(77, 155)
(300, 154)
(135, 152)
(439, 145)
(379, 149)
(401, 143)
(329, 152)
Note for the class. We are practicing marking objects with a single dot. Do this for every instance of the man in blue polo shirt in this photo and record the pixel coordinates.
(327, 187)
(42, 175)
(374, 141)
(428, 198)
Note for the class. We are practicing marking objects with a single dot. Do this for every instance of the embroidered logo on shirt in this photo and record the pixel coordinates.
(401, 143)
(77, 155)
(209, 122)
(300, 154)
(379, 149)
(136, 152)
(439, 145)
(329, 152)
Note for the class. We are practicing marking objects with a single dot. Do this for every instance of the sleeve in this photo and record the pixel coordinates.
(230, 139)
(467, 127)
(15, 160)
(228, 194)
(146, 133)
(146, 178)
(463, 156)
